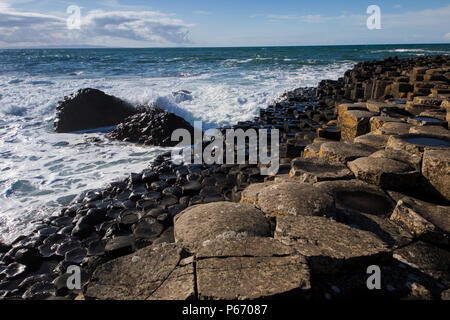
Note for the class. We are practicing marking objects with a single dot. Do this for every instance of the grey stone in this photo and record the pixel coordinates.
(331, 247)
(198, 225)
(251, 268)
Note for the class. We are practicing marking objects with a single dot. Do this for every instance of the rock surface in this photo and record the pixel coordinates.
(90, 109)
(251, 268)
(331, 247)
(196, 226)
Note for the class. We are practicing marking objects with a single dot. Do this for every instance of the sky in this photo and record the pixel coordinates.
(210, 23)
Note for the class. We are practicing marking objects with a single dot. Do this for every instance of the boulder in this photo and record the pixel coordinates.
(315, 169)
(146, 274)
(343, 152)
(251, 193)
(90, 109)
(378, 121)
(393, 128)
(384, 172)
(436, 170)
(196, 226)
(423, 220)
(251, 268)
(331, 247)
(355, 123)
(152, 127)
(312, 150)
(294, 198)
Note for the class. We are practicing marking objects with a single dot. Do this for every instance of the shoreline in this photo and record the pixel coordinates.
(329, 135)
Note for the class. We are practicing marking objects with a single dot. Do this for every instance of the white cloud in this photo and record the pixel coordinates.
(113, 28)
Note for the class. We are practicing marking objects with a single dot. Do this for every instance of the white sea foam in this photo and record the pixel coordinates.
(41, 170)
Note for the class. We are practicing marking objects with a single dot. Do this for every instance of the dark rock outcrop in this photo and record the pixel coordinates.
(153, 127)
(90, 109)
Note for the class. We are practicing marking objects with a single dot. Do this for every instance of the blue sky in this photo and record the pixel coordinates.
(149, 23)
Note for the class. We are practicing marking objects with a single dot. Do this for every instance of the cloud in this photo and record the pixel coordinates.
(113, 28)
(447, 36)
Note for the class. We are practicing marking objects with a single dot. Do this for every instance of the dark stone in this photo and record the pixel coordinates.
(75, 256)
(67, 246)
(29, 257)
(192, 188)
(90, 109)
(148, 228)
(14, 270)
(82, 229)
(119, 246)
(29, 281)
(39, 291)
(152, 127)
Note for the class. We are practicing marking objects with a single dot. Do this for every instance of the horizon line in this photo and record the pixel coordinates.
(207, 47)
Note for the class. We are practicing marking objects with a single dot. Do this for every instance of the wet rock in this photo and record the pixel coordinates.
(357, 196)
(14, 270)
(4, 248)
(424, 220)
(75, 256)
(436, 170)
(128, 218)
(331, 247)
(137, 276)
(29, 281)
(90, 109)
(314, 170)
(197, 225)
(67, 246)
(291, 198)
(191, 188)
(119, 246)
(263, 268)
(29, 257)
(385, 172)
(148, 228)
(39, 291)
(96, 248)
(152, 127)
(82, 229)
(343, 152)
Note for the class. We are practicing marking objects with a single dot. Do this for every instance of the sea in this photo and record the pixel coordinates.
(41, 171)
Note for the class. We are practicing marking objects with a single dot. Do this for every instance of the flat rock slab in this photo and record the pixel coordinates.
(436, 170)
(427, 258)
(331, 247)
(251, 268)
(354, 123)
(293, 198)
(417, 143)
(425, 221)
(198, 225)
(357, 196)
(389, 232)
(314, 170)
(377, 141)
(412, 160)
(141, 275)
(430, 130)
(343, 152)
(393, 128)
(385, 172)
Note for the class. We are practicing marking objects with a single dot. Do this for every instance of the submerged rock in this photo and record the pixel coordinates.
(90, 109)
